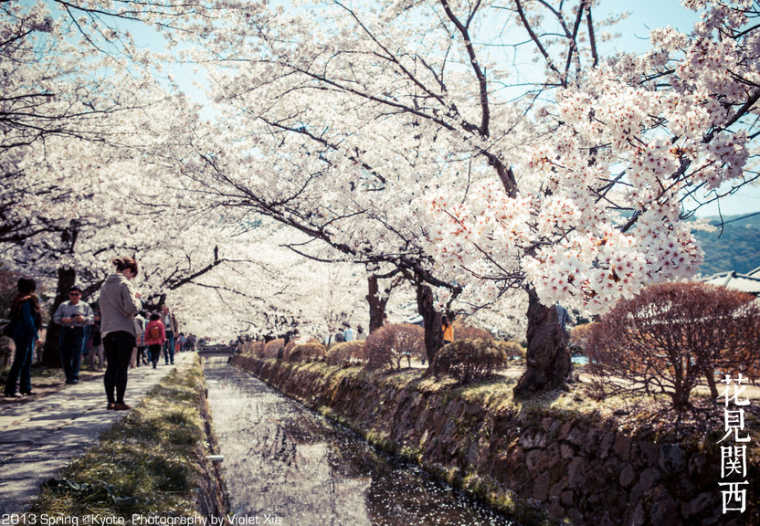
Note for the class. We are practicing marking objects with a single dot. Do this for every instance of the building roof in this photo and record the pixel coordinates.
(749, 283)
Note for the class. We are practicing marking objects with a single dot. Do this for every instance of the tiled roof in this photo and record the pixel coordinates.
(749, 283)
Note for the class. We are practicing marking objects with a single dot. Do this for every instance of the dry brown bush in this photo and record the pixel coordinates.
(388, 344)
(580, 334)
(466, 332)
(252, 348)
(513, 350)
(273, 348)
(347, 353)
(306, 352)
(671, 335)
(469, 360)
(287, 348)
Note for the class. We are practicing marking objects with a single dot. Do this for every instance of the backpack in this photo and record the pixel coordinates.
(155, 332)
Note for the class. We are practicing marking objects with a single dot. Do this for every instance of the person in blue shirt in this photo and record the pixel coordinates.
(25, 321)
(563, 318)
(348, 333)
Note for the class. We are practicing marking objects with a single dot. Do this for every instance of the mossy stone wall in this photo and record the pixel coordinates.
(541, 466)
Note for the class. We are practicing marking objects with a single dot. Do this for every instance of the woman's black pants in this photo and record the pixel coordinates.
(118, 350)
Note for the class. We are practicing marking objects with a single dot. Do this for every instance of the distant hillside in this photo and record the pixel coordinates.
(736, 248)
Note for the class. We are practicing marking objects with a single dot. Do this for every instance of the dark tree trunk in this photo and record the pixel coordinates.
(680, 398)
(432, 321)
(548, 355)
(709, 374)
(66, 279)
(376, 304)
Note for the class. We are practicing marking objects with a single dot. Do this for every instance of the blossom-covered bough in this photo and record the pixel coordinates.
(82, 111)
(72, 82)
(381, 129)
(396, 134)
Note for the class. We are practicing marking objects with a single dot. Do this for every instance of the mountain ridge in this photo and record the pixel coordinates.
(735, 246)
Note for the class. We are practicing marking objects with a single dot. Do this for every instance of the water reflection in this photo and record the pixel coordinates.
(287, 464)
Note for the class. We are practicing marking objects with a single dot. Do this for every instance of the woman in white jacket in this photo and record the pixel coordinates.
(118, 307)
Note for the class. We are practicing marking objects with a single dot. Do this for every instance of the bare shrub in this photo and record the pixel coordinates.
(469, 360)
(306, 352)
(252, 348)
(287, 347)
(388, 344)
(273, 349)
(408, 340)
(513, 350)
(671, 335)
(347, 353)
(466, 332)
(579, 336)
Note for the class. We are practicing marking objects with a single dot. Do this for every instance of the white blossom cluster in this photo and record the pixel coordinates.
(380, 135)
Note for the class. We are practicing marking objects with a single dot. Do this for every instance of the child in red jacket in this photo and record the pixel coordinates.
(155, 336)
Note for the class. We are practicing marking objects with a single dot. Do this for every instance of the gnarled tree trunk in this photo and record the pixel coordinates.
(376, 304)
(66, 279)
(432, 321)
(548, 357)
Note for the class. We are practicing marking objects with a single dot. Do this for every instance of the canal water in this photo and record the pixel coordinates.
(286, 465)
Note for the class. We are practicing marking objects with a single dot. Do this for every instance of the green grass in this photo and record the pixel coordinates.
(630, 410)
(148, 463)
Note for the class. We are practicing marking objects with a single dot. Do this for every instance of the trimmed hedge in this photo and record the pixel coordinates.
(466, 332)
(388, 344)
(469, 360)
(273, 349)
(306, 352)
(513, 349)
(347, 353)
(253, 348)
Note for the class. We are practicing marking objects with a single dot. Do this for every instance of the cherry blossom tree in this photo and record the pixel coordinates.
(80, 107)
(387, 137)
(392, 135)
(629, 150)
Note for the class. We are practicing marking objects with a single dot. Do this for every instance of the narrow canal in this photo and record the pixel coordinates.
(284, 464)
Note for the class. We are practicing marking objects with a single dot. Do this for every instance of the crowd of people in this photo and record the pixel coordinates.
(347, 334)
(118, 333)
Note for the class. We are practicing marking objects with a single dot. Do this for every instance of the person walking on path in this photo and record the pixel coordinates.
(25, 321)
(155, 336)
(182, 342)
(95, 353)
(178, 343)
(348, 333)
(170, 324)
(118, 307)
(73, 316)
(139, 354)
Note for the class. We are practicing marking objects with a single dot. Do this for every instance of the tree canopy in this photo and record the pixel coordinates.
(391, 135)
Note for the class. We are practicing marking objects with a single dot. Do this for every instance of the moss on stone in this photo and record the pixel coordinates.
(381, 440)
(452, 412)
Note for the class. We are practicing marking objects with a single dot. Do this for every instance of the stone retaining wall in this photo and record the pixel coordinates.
(570, 467)
(211, 496)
